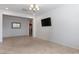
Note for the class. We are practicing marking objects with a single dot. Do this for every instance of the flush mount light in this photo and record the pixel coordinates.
(7, 8)
(34, 7)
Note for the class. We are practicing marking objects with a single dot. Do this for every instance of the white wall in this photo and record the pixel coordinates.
(42, 32)
(1, 27)
(7, 27)
(65, 26)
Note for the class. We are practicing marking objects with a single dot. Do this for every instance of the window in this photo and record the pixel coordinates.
(16, 25)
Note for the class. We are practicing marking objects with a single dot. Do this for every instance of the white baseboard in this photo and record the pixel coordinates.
(65, 44)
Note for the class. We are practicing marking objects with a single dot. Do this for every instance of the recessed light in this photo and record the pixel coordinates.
(6, 8)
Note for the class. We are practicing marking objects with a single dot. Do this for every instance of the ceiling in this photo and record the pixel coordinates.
(24, 8)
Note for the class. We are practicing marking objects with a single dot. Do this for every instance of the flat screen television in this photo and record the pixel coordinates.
(46, 22)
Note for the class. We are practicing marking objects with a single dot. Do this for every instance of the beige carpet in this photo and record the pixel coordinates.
(27, 45)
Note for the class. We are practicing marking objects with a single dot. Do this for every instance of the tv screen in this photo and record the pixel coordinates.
(46, 22)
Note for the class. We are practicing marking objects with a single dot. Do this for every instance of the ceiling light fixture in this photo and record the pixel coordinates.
(34, 7)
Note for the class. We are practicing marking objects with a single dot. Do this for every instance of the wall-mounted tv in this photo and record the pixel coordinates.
(46, 22)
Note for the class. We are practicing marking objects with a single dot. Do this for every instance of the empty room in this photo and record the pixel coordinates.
(39, 28)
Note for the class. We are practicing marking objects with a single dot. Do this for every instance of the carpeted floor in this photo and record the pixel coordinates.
(29, 45)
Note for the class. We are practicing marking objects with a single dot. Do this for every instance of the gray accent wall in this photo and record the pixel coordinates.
(9, 32)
